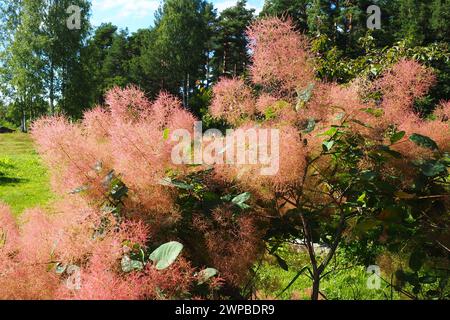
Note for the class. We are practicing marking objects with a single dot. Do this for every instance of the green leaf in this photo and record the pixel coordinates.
(401, 277)
(304, 96)
(166, 134)
(119, 191)
(396, 137)
(423, 141)
(166, 254)
(330, 132)
(79, 190)
(433, 293)
(227, 197)
(241, 199)
(416, 289)
(270, 113)
(362, 198)
(416, 260)
(328, 145)
(129, 265)
(311, 126)
(206, 274)
(60, 268)
(433, 168)
(389, 152)
(366, 225)
(404, 195)
(282, 263)
(368, 175)
(377, 112)
(177, 184)
(428, 279)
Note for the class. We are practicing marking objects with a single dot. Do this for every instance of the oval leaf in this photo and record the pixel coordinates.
(241, 199)
(396, 137)
(282, 263)
(129, 265)
(166, 254)
(433, 168)
(206, 274)
(423, 141)
(416, 260)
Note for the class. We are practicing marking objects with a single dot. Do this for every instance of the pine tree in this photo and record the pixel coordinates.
(181, 34)
(295, 9)
(231, 57)
(440, 20)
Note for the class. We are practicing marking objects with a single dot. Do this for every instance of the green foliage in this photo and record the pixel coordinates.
(206, 274)
(241, 199)
(41, 56)
(162, 257)
(423, 141)
(297, 9)
(230, 43)
(166, 254)
(129, 265)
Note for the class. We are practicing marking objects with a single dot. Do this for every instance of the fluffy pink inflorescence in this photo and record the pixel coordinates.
(9, 232)
(286, 155)
(9, 243)
(127, 104)
(142, 154)
(401, 85)
(280, 56)
(128, 137)
(265, 102)
(232, 100)
(442, 112)
(23, 275)
(72, 238)
(438, 131)
(37, 237)
(239, 239)
(66, 151)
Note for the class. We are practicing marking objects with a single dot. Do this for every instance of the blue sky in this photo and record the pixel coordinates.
(135, 14)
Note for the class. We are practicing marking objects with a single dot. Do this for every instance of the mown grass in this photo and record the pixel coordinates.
(24, 181)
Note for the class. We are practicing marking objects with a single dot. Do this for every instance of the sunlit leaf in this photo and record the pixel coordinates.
(206, 274)
(166, 254)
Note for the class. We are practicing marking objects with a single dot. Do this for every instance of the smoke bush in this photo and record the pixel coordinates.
(121, 194)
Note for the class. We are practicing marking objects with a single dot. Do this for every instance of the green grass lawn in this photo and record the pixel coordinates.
(24, 181)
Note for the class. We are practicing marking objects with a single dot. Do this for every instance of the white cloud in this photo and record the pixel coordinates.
(223, 4)
(126, 8)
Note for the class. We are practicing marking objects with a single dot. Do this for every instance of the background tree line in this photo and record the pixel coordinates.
(46, 68)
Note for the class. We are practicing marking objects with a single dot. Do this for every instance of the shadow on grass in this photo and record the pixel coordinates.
(9, 180)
